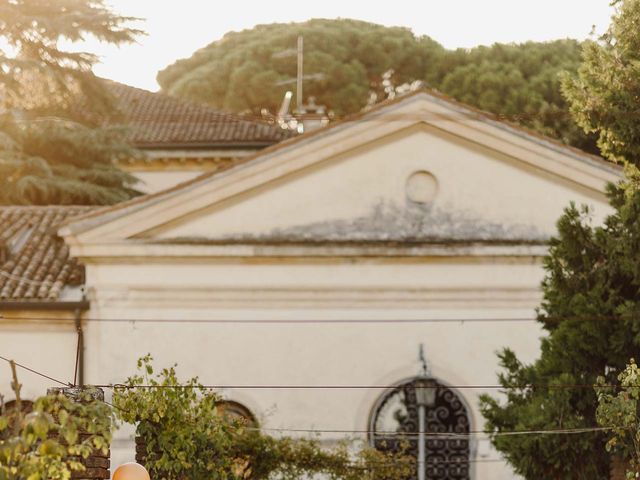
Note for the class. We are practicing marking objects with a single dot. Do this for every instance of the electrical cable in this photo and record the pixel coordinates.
(285, 321)
(450, 435)
(469, 115)
(116, 386)
(66, 384)
(574, 386)
(313, 321)
(432, 435)
(332, 321)
(21, 279)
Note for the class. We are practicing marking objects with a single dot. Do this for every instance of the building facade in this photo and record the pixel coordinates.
(328, 260)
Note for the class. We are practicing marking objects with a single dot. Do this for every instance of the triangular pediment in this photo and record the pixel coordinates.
(421, 169)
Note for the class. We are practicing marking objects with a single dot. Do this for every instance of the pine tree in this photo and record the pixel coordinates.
(248, 71)
(52, 147)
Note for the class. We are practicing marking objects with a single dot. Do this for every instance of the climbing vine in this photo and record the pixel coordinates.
(49, 442)
(186, 434)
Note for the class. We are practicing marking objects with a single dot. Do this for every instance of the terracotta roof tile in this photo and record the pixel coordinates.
(34, 261)
(159, 120)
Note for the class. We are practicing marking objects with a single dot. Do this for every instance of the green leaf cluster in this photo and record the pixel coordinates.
(57, 161)
(50, 442)
(52, 149)
(521, 82)
(603, 95)
(619, 409)
(187, 435)
(242, 72)
(35, 72)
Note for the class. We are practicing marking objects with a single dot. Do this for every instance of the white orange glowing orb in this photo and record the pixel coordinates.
(131, 471)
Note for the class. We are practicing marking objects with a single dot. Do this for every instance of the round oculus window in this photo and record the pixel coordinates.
(421, 187)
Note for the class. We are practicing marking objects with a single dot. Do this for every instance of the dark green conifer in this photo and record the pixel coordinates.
(591, 306)
(53, 146)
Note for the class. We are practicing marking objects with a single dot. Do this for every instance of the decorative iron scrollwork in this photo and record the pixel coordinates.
(447, 457)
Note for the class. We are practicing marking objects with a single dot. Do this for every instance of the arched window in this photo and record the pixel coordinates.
(235, 411)
(396, 414)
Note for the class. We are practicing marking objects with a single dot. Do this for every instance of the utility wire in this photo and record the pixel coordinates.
(574, 386)
(18, 278)
(320, 321)
(469, 115)
(292, 321)
(116, 386)
(66, 384)
(449, 435)
(312, 321)
(432, 435)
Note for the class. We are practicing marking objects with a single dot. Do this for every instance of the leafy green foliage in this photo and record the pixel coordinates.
(590, 311)
(51, 150)
(520, 82)
(47, 443)
(620, 410)
(35, 73)
(242, 72)
(52, 161)
(188, 436)
(604, 93)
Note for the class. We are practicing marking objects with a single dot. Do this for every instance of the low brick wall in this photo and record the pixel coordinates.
(618, 469)
(97, 465)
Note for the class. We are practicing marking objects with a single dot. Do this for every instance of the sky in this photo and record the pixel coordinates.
(176, 28)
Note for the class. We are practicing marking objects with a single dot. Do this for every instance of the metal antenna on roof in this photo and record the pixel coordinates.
(317, 116)
(299, 100)
(300, 76)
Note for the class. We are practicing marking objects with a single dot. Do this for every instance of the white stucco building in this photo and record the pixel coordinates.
(327, 260)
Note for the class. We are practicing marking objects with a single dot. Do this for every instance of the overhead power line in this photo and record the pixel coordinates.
(298, 321)
(19, 278)
(24, 367)
(319, 321)
(116, 386)
(286, 321)
(447, 435)
(458, 116)
(432, 435)
(121, 386)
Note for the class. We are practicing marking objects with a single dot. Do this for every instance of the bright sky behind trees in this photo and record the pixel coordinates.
(177, 28)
